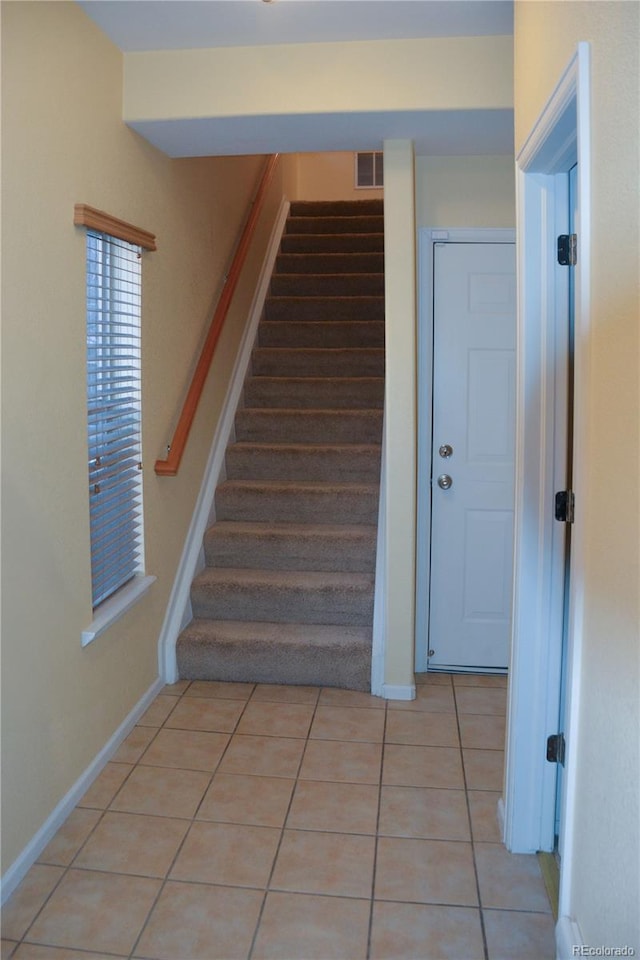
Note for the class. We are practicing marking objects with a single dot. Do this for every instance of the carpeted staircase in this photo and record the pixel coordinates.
(287, 592)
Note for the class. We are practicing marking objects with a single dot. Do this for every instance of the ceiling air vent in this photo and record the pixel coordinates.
(369, 170)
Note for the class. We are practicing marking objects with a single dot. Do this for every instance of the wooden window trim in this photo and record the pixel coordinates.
(86, 216)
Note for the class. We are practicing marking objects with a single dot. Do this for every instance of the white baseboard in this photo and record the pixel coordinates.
(500, 816)
(54, 821)
(568, 939)
(392, 691)
(179, 599)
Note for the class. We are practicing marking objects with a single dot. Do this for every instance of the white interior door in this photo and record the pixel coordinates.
(472, 478)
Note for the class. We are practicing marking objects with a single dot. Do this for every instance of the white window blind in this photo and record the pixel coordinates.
(114, 412)
(369, 170)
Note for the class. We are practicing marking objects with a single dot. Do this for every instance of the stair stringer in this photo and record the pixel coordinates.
(178, 613)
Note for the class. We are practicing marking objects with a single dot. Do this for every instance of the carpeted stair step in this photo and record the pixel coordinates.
(336, 208)
(297, 263)
(324, 308)
(332, 243)
(333, 225)
(290, 501)
(256, 425)
(353, 393)
(287, 591)
(289, 653)
(290, 546)
(283, 596)
(356, 463)
(308, 333)
(327, 284)
(317, 361)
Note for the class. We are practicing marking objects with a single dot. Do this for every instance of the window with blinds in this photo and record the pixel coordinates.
(369, 170)
(114, 412)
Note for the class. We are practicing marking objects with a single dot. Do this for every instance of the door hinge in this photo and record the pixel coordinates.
(568, 249)
(565, 506)
(556, 748)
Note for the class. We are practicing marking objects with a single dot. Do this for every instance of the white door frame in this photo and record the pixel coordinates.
(427, 237)
(559, 139)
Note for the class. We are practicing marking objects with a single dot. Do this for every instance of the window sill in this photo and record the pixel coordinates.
(113, 608)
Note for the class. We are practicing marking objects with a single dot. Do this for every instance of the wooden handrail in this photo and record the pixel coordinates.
(169, 467)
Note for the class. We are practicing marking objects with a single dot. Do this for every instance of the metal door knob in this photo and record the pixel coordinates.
(444, 481)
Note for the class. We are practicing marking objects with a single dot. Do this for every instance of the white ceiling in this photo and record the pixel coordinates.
(182, 24)
(137, 25)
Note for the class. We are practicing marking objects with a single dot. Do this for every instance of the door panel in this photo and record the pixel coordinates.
(474, 413)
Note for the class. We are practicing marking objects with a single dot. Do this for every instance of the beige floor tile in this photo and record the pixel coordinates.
(19, 911)
(412, 766)
(334, 697)
(158, 711)
(337, 864)
(96, 911)
(196, 922)
(425, 813)
(430, 698)
(483, 769)
(72, 834)
(280, 693)
(130, 843)
(206, 713)
(227, 854)
(481, 700)
(348, 723)
(214, 688)
(106, 785)
(162, 792)
(483, 807)
(480, 680)
(334, 807)
(421, 728)
(425, 871)
(342, 762)
(276, 719)
(408, 931)
(177, 688)
(233, 798)
(186, 749)
(440, 679)
(527, 936)
(316, 928)
(35, 951)
(509, 881)
(133, 746)
(482, 732)
(6, 948)
(262, 756)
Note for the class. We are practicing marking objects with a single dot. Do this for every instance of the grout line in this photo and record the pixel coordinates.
(282, 831)
(192, 820)
(377, 833)
(473, 846)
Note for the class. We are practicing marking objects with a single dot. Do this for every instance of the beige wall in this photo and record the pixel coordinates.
(319, 77)
(605, 891)
(465, 192)
(330, 176)
(63, 141)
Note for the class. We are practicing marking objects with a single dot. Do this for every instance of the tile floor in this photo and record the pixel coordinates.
(293, 823)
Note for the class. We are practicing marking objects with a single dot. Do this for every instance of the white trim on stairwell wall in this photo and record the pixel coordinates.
(379, 605)
(19, 868)
(178, 608)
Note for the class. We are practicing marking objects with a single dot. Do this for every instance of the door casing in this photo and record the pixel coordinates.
(427, 237)
(559, 139)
